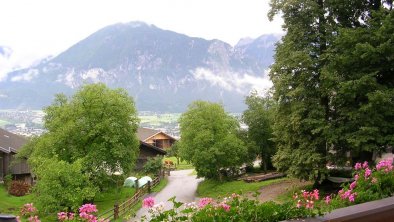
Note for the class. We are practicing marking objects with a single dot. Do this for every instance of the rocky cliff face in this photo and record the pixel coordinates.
(163, 70)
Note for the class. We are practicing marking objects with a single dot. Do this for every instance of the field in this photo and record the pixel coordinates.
(3, 122)
(159, 119)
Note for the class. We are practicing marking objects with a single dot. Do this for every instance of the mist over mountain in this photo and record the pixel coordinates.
(163, 70)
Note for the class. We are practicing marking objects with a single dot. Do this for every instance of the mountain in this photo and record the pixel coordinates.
(163, 70)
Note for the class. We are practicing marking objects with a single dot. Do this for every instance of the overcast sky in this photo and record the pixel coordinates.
(37, 28)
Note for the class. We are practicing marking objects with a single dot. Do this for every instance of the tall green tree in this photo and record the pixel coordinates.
(209, 140)
(96, 128)
(259, 119)
(360, 75)
(304, 90)
(174, 151)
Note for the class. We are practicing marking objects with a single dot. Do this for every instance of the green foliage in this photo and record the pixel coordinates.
(209, 139)
(153, 165)
(106, 199)
(91, 136)
(174, 151)
(62, 186)
(259, 118)
(7, 180)
(233, 208)
(333, 82)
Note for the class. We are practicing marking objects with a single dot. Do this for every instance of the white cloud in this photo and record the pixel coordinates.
(230, 81)
(28, 76)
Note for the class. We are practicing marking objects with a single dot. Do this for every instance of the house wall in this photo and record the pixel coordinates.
(161, 140)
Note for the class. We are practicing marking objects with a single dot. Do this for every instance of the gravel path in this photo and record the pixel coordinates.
(272, 191)
(181, 184)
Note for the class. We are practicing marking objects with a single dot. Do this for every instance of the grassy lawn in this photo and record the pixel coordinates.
(3, 122)
(105, 201)
(183, 165)
(11, 204)
(288, 196)
(215, 189)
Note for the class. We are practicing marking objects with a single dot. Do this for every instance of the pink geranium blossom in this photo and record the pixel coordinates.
(148, 202)
(225, 207)
(327, 199)
(367, 173)
(386, 165)
(357, 166)
(204, 201)
(353, 185)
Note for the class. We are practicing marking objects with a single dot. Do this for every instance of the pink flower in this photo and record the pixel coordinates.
(225, 207)
(387, 165)
(295, 196)
(305, 194)
(299, 204)
(356, 177)
(71, 216)
(148, 202)
(33, 219)
(88, 208)
(346, 194)
(204, 201)
(28, 209)
(365, 164)
(353, 185)
(234, 195)
(352, 197)
(62, 216)
(374, 180)
(309, 204)
(84, 215)
(367, 173)
(357, 166)
(327, 199)
(315, 194)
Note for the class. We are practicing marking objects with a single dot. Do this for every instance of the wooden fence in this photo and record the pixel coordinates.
(121, 209)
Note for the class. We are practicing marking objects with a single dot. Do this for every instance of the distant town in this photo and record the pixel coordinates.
(30, 122)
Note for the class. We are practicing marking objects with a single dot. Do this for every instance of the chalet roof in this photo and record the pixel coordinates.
(145, 133)
(157, 149)
(10, 142)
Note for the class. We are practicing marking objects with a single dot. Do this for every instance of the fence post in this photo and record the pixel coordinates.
(149, 186)
(116, 211)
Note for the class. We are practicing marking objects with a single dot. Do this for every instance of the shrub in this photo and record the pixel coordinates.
(153, 165)
(7, 180)
(18, 188)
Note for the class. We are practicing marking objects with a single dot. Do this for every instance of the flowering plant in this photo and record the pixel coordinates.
(86, 213)
(370, 183)
(231, 208)
(30, 212)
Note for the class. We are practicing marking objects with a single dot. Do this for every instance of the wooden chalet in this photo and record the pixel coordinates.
(9, 145)
(155, 138)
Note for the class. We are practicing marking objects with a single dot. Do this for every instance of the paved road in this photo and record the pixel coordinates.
(180, 184)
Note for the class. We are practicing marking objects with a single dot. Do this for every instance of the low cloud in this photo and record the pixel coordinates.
(232, 81)
(28, 76)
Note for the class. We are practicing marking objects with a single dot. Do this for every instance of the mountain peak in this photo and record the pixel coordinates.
(163, 70)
